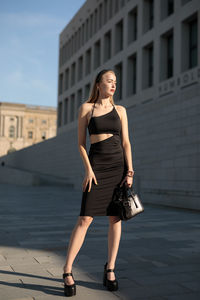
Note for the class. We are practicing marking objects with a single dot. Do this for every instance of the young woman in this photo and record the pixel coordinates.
(108, 164)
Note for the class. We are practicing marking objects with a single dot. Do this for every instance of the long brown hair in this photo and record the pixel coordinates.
(95, 91)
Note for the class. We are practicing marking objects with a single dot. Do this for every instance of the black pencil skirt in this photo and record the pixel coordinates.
(109, 166)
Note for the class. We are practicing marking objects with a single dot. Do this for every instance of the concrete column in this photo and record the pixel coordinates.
(3, 126)
(140, 52)
(0, 125)
(156, 44)
(177, 43)
(156, 61)
(17, 127)
(124, 71)
(112, 40)
(102, 49)
(21, 127)
(92, 58)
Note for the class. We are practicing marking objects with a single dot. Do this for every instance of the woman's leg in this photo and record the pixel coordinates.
(114, 235)
(75, 243)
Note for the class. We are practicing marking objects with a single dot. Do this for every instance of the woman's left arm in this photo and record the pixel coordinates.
(127, 146)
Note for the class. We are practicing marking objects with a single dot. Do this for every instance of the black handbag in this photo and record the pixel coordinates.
(127, 202)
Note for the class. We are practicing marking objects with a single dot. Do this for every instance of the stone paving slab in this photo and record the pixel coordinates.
(158, 259)
(192, 296)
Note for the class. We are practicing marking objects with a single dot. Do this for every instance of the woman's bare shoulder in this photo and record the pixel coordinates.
(121, 109)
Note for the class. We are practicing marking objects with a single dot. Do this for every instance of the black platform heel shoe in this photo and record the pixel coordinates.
(69, 290)
(112, 285)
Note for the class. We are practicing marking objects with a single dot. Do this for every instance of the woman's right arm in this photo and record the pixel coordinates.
(82, 132)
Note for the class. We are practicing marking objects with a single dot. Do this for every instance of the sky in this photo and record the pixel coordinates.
(29, 44)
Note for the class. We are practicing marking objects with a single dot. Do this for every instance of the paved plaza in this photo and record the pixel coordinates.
(158, 259)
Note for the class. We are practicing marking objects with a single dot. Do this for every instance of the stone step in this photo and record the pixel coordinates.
(16, 176)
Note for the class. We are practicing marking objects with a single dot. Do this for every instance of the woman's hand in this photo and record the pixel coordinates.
(89, 176)
(128, 181)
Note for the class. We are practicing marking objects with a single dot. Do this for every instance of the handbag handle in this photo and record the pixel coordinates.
(127, 189)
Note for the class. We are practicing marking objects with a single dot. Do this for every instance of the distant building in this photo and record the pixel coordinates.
(23, 125)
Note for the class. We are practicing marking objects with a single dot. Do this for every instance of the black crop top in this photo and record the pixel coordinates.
(107, 123)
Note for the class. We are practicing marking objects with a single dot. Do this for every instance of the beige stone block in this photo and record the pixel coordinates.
(21, 261)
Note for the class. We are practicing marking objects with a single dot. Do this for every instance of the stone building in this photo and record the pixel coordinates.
(154, 48)
(23, 125)
(151, 45)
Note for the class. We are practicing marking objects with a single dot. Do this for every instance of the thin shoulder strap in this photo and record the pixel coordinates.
(93, 109)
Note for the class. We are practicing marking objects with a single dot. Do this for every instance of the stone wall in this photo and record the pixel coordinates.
(167, 148)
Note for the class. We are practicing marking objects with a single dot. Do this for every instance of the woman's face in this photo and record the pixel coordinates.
(107, 85)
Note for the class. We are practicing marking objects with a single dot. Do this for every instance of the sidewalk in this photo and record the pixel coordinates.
(159, 254)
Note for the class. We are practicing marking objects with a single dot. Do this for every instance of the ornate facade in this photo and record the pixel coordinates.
(23, 125)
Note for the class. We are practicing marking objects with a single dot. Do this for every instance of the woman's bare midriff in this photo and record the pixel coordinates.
(95, 138)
